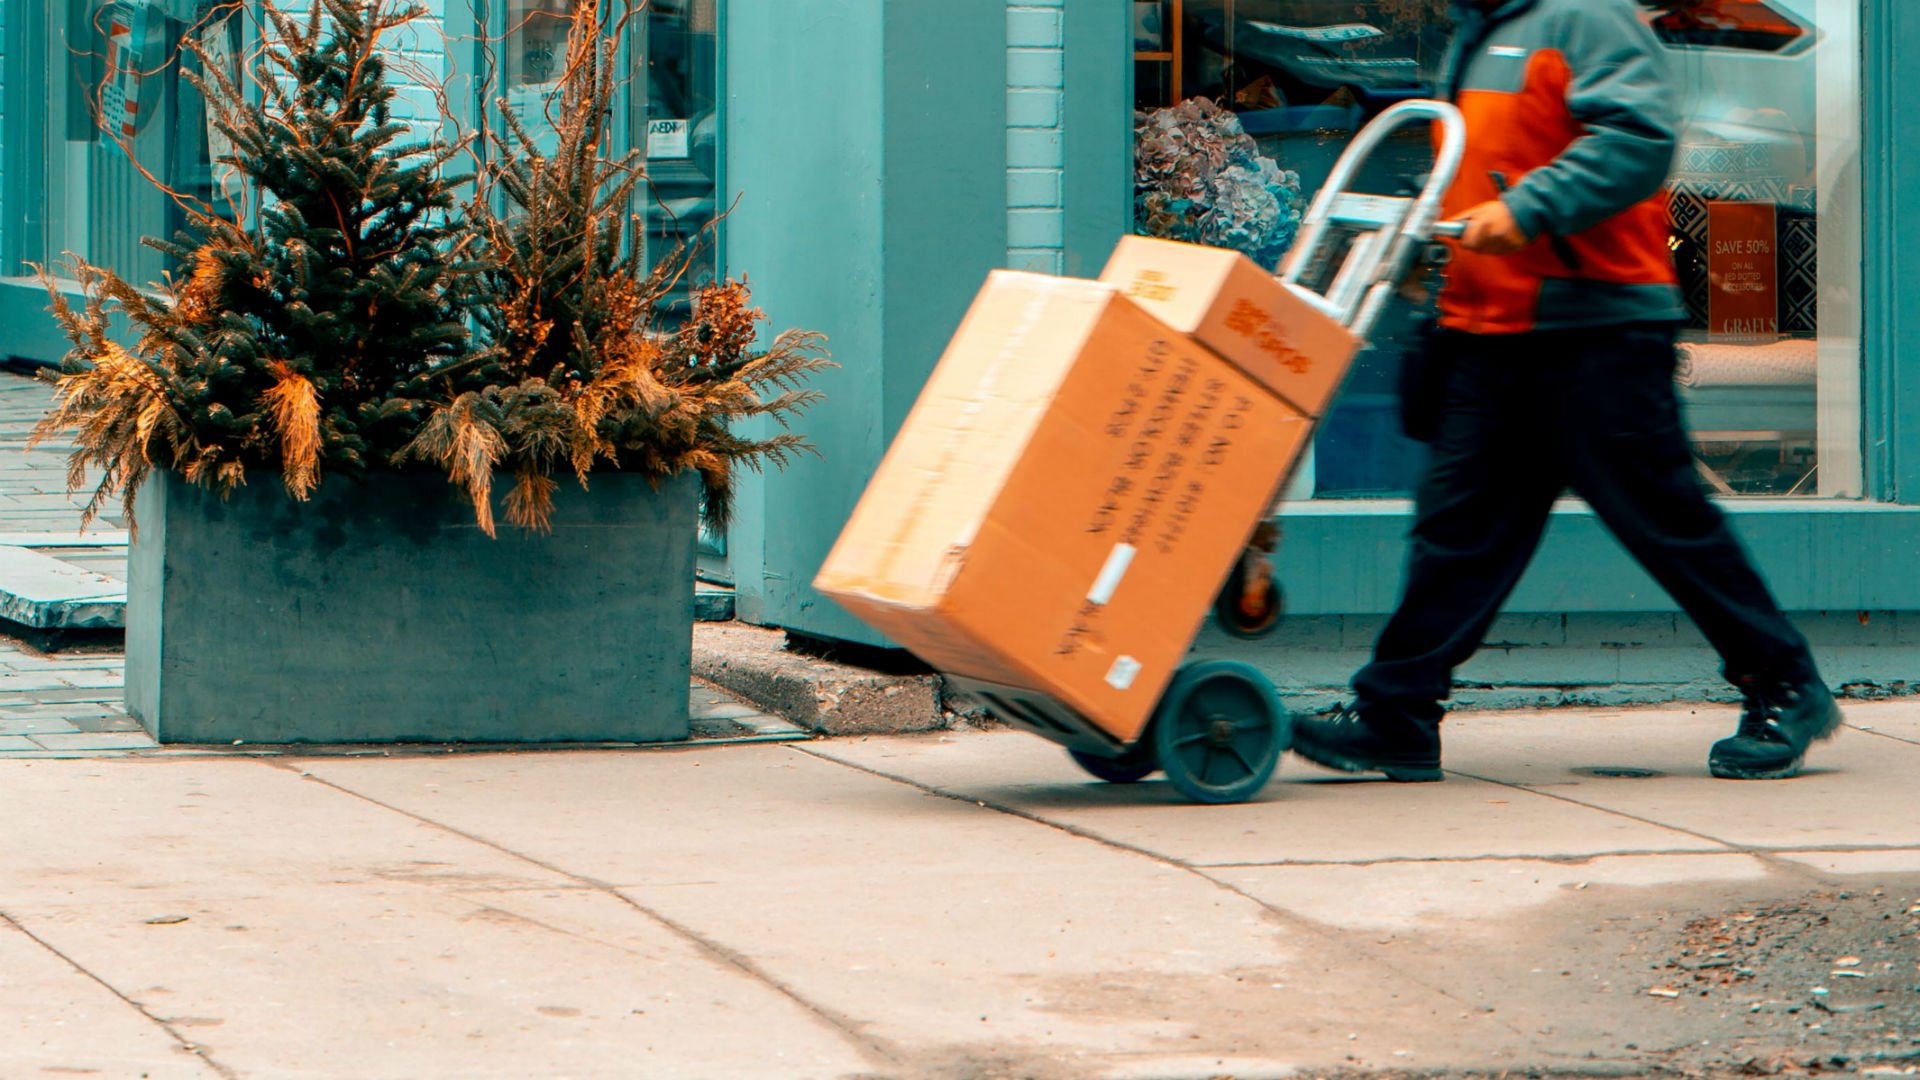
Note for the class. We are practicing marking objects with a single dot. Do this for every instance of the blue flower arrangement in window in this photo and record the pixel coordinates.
(1200, 178)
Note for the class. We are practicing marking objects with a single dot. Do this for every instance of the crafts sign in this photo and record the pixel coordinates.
(1743, 271)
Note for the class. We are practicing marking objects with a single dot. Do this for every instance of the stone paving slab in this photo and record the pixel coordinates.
(291, 929)
(932, 924)
(55, 1022)
(37, 515)
(65, 540)
(1856, 790)
(45, 593)
(1855, 864)
(636, 913)
(1892, 719)
(1455, 893)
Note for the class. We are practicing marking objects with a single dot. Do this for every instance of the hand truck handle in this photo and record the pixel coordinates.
(1383, 254)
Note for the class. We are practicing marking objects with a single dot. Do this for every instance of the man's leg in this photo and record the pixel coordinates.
(1480, 512)
(1628, 456)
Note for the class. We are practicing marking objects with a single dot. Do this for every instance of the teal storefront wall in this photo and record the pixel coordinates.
(1846, 568)
(867, 167)
(882, 157)
(1891, 160)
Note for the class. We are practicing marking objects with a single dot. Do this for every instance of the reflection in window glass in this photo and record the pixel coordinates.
(1761, 164)
(1729, 24)
(681, 130)
(535, 57)
(672, 45)
(119, 108)
(537, 47)
(1257, 98)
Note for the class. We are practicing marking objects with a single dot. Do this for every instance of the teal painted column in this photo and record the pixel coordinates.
(866, 162)
(1098, 129)
(1890, 173)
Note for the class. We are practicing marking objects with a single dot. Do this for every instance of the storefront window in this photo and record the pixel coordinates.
(671, 97)
(536, 54)
(1764, 196)
(116, 106)
(679, 122)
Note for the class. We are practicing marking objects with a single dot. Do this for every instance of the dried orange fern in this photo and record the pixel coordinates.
(294, 405)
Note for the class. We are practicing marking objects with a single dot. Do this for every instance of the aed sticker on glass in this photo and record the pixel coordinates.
(1124, 670)
(669, 138)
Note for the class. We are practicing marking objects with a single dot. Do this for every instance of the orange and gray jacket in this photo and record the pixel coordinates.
(1571, 120)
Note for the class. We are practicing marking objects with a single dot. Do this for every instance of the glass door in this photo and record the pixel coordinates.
(676, 108)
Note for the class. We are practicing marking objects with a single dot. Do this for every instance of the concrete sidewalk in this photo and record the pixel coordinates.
(1579, 897)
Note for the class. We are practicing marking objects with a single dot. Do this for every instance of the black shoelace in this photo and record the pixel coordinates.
(1761, 719)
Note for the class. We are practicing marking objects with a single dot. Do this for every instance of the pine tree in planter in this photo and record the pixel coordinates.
(327, 339)
(301, 339)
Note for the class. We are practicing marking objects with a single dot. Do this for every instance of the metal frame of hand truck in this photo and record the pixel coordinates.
(1219, 729)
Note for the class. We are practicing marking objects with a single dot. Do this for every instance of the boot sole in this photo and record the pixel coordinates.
(1723, 771)
(1399, 774)
(1732, 772)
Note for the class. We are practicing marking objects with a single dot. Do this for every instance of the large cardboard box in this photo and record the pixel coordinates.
(1063, 502)
(1227, 303)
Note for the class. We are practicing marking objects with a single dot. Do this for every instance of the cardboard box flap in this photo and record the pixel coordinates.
(1281, 335)
(1177, 282)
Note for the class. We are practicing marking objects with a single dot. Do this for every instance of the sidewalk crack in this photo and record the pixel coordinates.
(1330, 935)
(1765, 855)
(849, 1028)
(180, 1040)
(1885, 735)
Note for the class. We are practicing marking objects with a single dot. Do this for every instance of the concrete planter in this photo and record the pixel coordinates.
(379, 612)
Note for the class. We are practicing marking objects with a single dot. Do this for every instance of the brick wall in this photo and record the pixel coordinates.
(1036, 80)
(418, 60)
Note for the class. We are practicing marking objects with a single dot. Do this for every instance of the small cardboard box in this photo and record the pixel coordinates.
(1062, 504)
(1230, 305)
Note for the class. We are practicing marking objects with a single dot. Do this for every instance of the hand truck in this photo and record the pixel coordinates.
(1219, 729)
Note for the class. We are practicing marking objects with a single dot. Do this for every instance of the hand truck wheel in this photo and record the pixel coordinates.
(1133, 765)
(1250, 604)
(1220, 731)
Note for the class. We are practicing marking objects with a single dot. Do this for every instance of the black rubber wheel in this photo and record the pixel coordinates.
(1135, 764)
(1220, 731)
(1241, 619)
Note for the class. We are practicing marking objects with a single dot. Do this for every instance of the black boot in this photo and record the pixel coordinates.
(1370, 737)
(1781, 720)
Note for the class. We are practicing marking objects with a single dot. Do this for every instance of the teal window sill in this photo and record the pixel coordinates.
(1345, 558)
(31, 335)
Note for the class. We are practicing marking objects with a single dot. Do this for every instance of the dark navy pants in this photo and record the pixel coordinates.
(1524, 418)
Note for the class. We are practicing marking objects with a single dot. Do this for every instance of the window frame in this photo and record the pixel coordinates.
(1342, 557)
